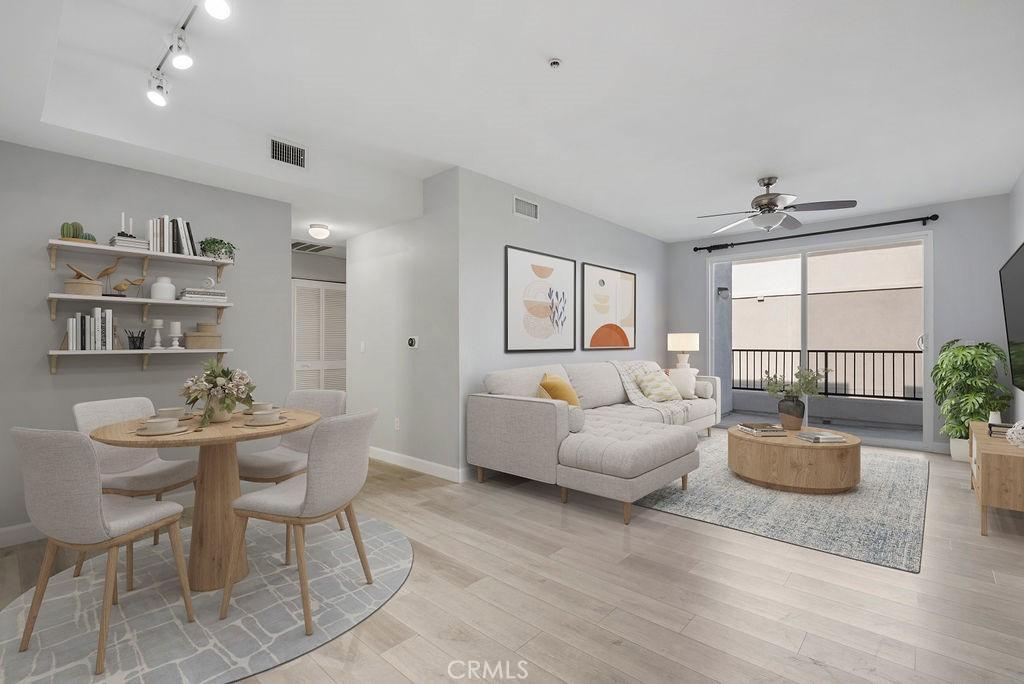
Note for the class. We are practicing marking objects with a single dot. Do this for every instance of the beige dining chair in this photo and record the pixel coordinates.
(130, 471)
(65, 501)
(288, 458)
(339, 453)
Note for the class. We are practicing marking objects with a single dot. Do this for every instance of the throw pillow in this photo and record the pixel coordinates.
(684, 381)
(657, 387)
(704, 389)
(576, 418)
(558, 387)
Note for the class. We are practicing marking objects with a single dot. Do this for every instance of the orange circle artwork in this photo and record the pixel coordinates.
(609, 335)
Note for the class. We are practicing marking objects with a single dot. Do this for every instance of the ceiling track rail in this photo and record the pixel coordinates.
(727, 245)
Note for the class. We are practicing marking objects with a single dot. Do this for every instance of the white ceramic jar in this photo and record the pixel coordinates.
(163, 288)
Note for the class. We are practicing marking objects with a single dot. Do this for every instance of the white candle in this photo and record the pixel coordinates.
(131, 227)
(158, 323)
(122, 221)
(175, 328)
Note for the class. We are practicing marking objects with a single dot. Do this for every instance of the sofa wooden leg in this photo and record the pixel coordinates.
(479, 474)
(684, 480)
(709, 432)
(564, 494)
(627, 510)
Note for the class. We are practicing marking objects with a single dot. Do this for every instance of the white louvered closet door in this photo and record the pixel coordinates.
(318, 312)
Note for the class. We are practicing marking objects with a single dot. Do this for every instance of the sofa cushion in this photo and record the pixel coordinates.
(627, 410)
(704, 389)
(700, 408)
(577, 419)
(520, 382)
(657, 387)
(685, 382)
(625, 448)
(597, 384)
(557, 387)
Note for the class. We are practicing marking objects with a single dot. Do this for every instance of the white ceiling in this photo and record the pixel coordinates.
(660, 112)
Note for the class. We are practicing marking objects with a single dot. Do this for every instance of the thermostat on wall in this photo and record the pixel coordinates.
(413, 342)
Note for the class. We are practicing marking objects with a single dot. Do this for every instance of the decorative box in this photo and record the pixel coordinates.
(205, 336)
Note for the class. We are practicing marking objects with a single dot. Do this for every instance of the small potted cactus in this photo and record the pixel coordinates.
(75, 232)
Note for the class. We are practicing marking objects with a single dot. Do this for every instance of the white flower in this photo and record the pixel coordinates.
(221, 382)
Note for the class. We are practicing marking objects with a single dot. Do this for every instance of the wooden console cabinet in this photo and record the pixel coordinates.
(997, 472)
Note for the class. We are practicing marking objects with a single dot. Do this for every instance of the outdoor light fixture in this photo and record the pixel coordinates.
(157, 92)
(218, 9)
(319, 231)
(181, 58)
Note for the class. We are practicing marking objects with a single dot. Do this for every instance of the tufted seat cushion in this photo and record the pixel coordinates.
(699, 408)
(626, 411)
(156, 474)
(625, 448)
(124, 515)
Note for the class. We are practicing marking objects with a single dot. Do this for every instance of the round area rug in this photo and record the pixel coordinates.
(149, 639)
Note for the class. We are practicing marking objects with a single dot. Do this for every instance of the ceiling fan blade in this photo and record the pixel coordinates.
(791, 222)
(822, 206)
(731, 225)
(730, 213)
(783, 201)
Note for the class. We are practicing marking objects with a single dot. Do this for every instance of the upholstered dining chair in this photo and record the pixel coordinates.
(130, 471)
(288, 458)
(65, 501)
(339, 453)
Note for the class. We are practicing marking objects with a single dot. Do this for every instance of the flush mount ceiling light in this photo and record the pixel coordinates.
(768, 221)
(181, 58)
(218, 9)
(319, 231)
(158, 91)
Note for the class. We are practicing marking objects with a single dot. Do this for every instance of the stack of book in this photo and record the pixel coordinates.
(202, 294)
(93, 331)
(762, 429)
(820, 437)
(171, 236)
(129, 241)
(998, 429)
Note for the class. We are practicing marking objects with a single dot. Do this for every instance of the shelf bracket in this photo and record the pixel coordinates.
(145, 361)
(220, 358)
(53, 309)
(220, 316)
(145, 312)
(53, 257)
(53, 365)
(145, 266)
(220, 272)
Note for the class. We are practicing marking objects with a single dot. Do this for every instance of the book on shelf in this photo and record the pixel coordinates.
(820, 437)
(134, 243)
(170, 235)
(92, 331)
(762, 429)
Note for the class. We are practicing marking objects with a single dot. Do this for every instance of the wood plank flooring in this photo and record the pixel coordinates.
(504, 573)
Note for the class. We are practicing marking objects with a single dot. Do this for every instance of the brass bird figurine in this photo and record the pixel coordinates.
(137, 283)
(122, 286)
(79, 273)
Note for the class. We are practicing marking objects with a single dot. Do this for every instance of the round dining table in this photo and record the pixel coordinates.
(217, 483)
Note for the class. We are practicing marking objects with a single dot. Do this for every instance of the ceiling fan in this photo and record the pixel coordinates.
(769, 210)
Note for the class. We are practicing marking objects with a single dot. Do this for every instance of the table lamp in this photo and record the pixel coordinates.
(684, 343)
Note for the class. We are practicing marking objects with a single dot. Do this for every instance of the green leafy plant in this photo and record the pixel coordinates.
(966, 378)
(217, 248)
(805, 382)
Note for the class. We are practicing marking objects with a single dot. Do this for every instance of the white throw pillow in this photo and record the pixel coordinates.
(684, 381)
(657, 387)
(704, 389)
(576, 418)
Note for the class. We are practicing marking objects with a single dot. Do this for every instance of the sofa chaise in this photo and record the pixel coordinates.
(608, 447)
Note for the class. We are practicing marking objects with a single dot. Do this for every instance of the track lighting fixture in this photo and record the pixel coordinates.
(181, 58)
(157, 92)
(218, 9)
(319, 231)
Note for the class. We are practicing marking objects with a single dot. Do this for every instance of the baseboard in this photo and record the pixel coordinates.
(18, 534)
(444, 472)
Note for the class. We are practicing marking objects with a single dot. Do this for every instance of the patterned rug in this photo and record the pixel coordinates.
(149, 640)
(881, 521)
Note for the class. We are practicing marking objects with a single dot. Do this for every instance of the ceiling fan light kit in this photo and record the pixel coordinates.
(769, 210)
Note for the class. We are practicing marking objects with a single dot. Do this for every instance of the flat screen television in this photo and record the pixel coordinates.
(1011, 280)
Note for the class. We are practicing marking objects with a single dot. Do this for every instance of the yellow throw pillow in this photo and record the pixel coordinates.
(557, 387)
(657, 387)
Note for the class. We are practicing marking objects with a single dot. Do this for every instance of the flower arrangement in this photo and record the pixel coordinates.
(222, 389)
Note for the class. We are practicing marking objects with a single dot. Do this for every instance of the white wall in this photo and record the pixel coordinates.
(1016, 238)
(318, 267)
(969, 245)
(39, 190)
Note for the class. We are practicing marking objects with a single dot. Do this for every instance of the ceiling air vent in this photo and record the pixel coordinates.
(527, 209)
(308, 247)
(287, 153)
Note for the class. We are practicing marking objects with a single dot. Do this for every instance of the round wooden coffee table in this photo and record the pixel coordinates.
(793, 465)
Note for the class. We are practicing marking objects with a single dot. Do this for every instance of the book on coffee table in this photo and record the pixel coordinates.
(762, 429)
(819, 437)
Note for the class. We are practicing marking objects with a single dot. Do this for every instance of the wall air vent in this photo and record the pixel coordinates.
(308, 247)
(287, 153)
(527, 209)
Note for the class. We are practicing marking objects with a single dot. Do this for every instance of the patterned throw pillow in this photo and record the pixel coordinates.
(657, 387)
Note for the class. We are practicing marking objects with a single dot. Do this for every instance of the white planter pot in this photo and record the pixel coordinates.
(219, 414)
(958, 449)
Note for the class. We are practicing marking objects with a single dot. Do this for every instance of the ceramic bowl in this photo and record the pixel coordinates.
(155, 426)
(175, 412)
(265, 417)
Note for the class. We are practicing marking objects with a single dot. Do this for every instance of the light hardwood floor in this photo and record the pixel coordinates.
(504, 572)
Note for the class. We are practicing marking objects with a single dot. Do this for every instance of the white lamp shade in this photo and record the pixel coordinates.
(684, 342)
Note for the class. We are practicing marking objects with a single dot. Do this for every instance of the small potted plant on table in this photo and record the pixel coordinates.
(792, 408)
(221, 388)
(967, 388)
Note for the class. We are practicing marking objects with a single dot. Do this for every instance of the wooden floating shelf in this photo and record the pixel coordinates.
(90, 248)
(55, 354)
(144, 302)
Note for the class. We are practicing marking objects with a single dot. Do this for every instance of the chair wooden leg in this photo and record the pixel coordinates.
(156, 532)
(129, 566)
(627, 511)
(117, 552)
(479, 474)
(685, 480)
(236, 552)
(37, 598)
(353, 525)
(174, 532)
(287, 544)
(300, 556)
(109, 588)
(79, 563)
(564, 493)
(341, 521)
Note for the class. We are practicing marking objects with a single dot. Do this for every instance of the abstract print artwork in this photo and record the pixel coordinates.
(609, 308)
(540, 301)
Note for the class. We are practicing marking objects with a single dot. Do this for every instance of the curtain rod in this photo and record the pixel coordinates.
(727, 245)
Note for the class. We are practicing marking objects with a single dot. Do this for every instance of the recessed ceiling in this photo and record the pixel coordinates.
(659, 112)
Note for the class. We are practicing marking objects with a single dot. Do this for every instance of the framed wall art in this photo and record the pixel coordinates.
(609, 308)
(540, 301)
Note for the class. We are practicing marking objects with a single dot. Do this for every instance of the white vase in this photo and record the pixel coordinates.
(163, 288)
(995, 417)
(958, 449)
(219, 414)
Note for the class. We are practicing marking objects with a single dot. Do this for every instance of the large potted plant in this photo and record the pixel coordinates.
(792, 408)
(221, 388)
(967, 388)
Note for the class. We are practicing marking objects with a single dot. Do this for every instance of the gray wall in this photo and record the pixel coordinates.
(40, 189)
(1016, 238)
(318, 267)
(969, 245)
(403, 280)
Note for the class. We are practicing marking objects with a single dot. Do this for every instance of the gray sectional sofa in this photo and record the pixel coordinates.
(608, 447)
